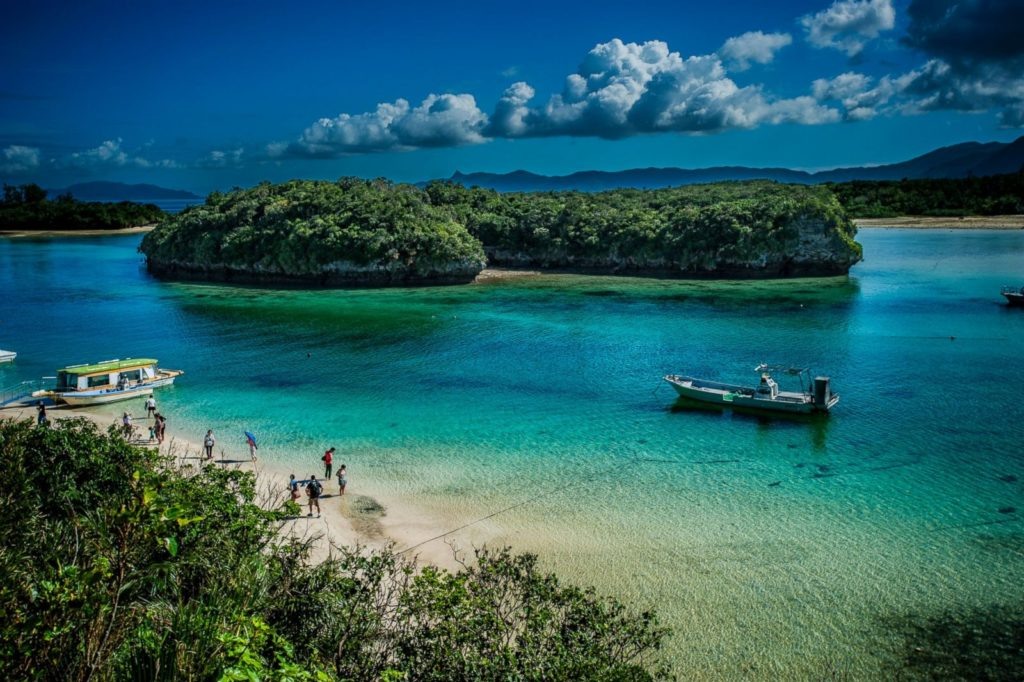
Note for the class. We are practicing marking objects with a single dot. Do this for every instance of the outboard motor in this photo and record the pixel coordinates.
(822, 392)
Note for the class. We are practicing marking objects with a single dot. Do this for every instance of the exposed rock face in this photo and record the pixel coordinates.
(336, 274)
(821, 249)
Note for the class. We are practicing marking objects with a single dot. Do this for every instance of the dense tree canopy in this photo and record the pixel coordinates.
(693, 229)
(118, 565)
(25, 207)
(992, 195)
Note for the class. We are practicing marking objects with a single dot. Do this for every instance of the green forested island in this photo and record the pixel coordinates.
(991, 195)
(25, 207)
(375, 232)
(346, 232)
(119, 564)
(756, 228)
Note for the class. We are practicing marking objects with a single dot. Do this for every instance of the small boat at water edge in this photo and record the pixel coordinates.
(1014, 296)
(816, 397)
(110, 381)
(7, 355)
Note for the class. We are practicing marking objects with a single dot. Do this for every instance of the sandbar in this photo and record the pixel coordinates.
(77, 233)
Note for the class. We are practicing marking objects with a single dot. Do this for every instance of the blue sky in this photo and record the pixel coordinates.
(203, 96)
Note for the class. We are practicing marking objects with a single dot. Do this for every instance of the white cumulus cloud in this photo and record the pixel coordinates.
(110, 153)
(19, 158)
(620, 89)
(509, 119)
(219, 158)
(624, 89)
(753, 47)
(847, 25)
(439, 121)
(861, 97)
(939, 85)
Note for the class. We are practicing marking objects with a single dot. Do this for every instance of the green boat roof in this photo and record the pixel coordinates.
(109, 366)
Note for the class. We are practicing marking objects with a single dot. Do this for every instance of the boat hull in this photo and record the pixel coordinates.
(731, 395)
(1014, 299)
(82, 398)
(7, 355)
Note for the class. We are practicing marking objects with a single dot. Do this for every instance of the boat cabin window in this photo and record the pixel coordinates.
(98, 380)
(132, 375)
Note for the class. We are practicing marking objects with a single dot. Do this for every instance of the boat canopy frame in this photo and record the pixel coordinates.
(802, 374)
(108, 366)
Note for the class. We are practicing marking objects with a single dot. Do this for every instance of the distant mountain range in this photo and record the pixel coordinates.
(119, 191)
(956, 161)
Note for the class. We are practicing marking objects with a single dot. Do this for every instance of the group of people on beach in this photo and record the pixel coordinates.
(156, 429)
(314, 489)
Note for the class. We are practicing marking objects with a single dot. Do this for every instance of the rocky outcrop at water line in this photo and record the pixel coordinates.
(339, 274)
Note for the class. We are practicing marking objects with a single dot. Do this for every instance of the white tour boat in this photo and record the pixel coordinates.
(111, 380)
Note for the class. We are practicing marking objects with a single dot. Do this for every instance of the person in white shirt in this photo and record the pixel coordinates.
(208, 444)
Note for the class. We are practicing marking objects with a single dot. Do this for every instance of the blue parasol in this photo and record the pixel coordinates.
(251, 438)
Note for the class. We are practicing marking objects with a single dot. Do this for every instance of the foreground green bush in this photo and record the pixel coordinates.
(117, 566)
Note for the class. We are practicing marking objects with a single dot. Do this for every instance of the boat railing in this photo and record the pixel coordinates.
(1013, 290)
(14, 392)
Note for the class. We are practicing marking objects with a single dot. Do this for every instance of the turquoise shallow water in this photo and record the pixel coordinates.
(773, 547)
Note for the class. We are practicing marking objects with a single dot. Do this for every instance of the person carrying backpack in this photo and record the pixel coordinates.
(328, 460)
(313, 492)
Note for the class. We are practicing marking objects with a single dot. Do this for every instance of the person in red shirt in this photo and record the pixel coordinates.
(328, 459)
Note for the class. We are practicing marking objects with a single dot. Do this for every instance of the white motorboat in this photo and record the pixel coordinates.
(816, 397)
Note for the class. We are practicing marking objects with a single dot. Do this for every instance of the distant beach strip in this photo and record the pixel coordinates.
(974, 222)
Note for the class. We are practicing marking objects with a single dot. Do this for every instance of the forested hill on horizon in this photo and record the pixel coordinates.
(120, 191)
(969, 159)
